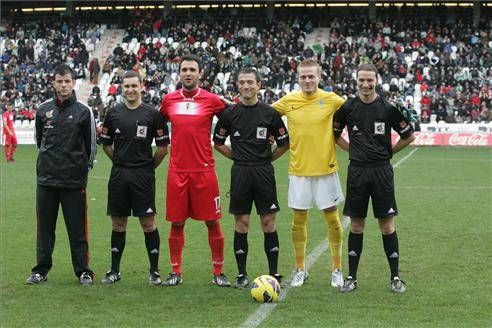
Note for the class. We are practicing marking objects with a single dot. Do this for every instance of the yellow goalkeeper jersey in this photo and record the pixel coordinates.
(310, 125)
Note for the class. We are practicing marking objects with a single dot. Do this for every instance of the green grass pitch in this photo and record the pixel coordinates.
(445, 202)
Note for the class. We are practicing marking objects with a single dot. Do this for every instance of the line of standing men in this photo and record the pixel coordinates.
(192, 186)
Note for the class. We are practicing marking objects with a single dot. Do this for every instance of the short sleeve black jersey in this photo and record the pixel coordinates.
(132, 132)
(250, 129)
(369, 128)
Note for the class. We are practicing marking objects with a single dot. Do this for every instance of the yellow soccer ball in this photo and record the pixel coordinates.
(265, 289)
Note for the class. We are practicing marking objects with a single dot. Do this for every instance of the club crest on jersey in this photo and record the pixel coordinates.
(187, 108)
(49, 114)
(261, 133)
(321, 103)
(281, 131)
(378, 127)
(141, 131)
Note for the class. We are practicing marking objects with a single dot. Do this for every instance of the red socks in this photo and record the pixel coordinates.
(176, 243)
(216, 242)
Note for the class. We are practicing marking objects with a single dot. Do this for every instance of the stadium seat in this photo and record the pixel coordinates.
(227, 75)
(286, 87)
(220, 77)
(220, 41)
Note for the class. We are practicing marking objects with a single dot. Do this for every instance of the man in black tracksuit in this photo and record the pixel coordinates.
(66, 140)
(251, 125)
(369, 119)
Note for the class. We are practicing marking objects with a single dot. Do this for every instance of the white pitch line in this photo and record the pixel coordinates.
(405, 158)
(257, 317)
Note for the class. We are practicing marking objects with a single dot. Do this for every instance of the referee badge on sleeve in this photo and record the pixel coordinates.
(141, 131)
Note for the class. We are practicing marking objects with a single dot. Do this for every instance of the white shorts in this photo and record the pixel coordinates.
(325, 191)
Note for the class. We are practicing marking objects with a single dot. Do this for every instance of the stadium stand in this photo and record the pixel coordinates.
(438, 63)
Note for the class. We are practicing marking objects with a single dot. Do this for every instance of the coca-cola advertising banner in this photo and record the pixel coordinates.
(462, 139)
(451, 139)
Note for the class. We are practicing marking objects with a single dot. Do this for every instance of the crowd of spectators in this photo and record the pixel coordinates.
(436, 61)
(30, 51)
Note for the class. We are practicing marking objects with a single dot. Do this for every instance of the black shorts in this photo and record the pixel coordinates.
(253, 183)
(131, 190)
(370, 181)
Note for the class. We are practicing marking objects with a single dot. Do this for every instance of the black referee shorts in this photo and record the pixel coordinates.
(253, 184)
(131, 190)
(375, 182)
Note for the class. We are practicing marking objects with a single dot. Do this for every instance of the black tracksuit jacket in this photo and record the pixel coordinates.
(66, 140)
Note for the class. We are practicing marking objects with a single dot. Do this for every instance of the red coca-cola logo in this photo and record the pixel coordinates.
(425, 139)
(461, 139)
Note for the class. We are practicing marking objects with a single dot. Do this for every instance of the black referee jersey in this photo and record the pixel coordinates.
(132, 132)
(369, 129)
(250, 128)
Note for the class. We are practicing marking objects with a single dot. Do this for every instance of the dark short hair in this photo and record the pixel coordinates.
(367, 67)
(250, 70)
(131, 74)
(64, 69)
(191, 58)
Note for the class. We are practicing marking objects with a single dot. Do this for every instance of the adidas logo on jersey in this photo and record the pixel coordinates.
(150, 210)
(273, 207)
(355, 128)
(275, 249)
(115, 250)
(70, 116)
(240, 251)
(117, 130)
(391, 211)
(352, 253)
(154, 251)
(236, 134)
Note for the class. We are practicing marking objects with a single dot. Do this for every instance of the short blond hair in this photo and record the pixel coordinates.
(309, 62)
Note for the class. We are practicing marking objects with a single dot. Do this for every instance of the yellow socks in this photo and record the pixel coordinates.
(299, 237)
(335, 237)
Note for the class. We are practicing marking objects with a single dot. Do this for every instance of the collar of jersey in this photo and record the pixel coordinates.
(190, 94)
